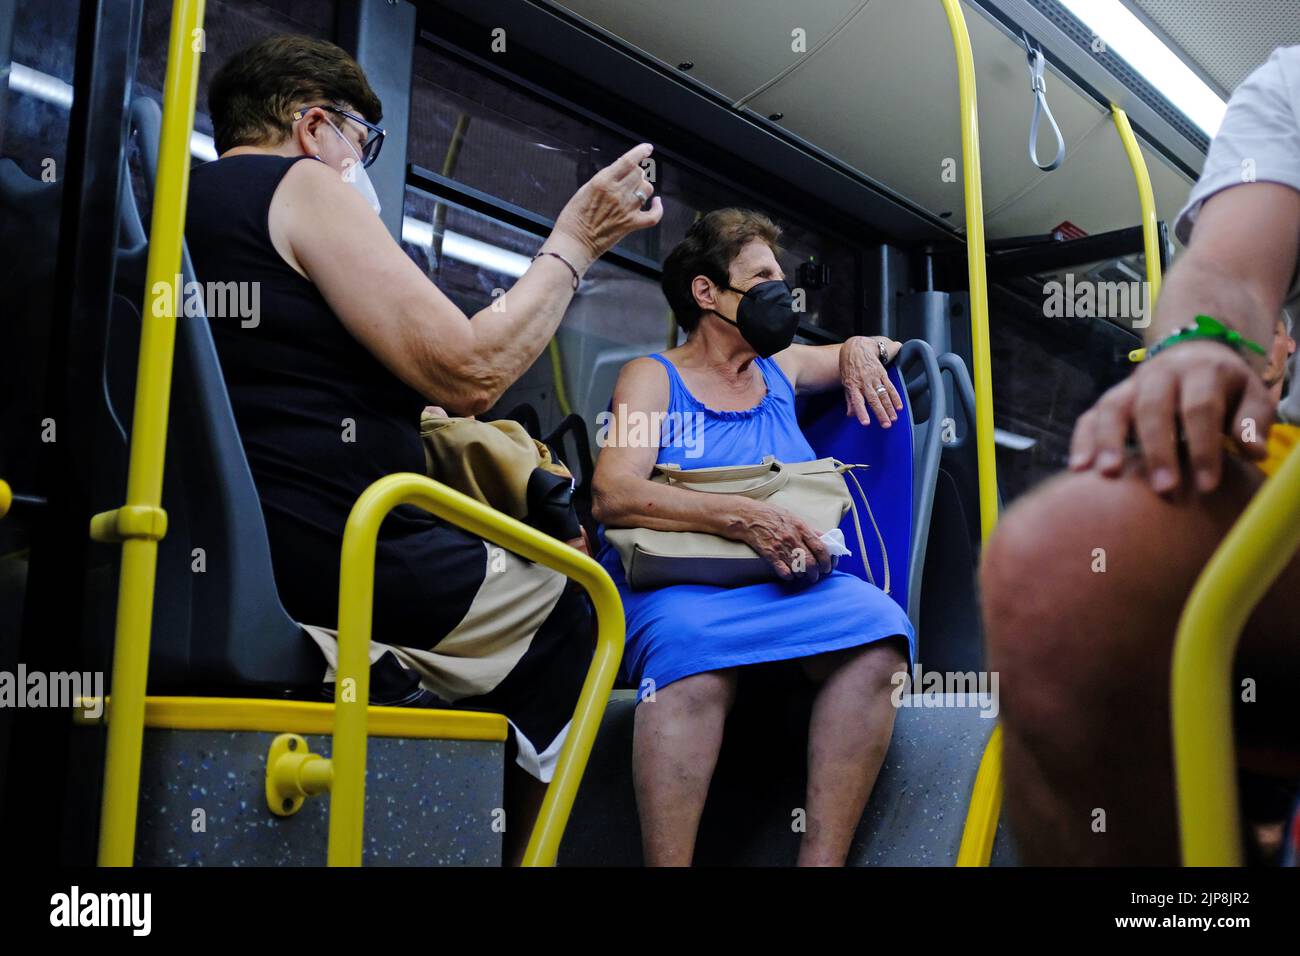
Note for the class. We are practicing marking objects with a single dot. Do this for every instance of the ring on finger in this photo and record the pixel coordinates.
(640, 195)
(881, 390)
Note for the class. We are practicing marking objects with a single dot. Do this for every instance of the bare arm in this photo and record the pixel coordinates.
(406, 322)
(624, 496)
(1239, 264)
(1237, 269)
(854, 365)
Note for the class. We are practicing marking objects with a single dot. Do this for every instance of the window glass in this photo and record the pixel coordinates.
(487, 134)
(228, 26)
(33, 149)
(617, 315)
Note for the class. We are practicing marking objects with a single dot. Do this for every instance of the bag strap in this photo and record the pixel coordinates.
(723, 473)
(857, 526)
(688, 479)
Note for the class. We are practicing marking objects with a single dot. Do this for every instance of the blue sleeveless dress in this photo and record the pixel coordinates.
(687, 629)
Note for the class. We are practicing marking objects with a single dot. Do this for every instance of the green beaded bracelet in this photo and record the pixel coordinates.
(1209, 329)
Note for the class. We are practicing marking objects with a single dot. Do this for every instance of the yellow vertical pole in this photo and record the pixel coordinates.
(1147, 199)
(140, 523)
(976, 264)
(986, 797)
(985, 806)
(1252, 555)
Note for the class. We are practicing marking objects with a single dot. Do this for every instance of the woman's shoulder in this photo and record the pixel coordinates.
(643, 383)
(245, 167)
(647, 374)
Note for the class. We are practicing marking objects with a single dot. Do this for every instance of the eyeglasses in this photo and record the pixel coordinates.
(374, 142)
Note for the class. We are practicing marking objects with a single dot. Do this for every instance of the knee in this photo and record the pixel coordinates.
(1065, 573)
(700, 695)
(874, 666)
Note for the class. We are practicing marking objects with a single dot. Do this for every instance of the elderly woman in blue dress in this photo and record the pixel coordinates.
(737, 374)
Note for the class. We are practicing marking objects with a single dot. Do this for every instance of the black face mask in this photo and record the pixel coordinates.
(766, 317)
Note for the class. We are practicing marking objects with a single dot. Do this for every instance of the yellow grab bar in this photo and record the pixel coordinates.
(6, 498)
(141, 522)
(557, 376)
(1252, 555)
(976, 265)
(1147, 197)
(986, 800)
(356, 601)
(986, 803)
(985, 806)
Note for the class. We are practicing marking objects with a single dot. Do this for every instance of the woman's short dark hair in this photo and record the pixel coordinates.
(711, 244)
(254, 94)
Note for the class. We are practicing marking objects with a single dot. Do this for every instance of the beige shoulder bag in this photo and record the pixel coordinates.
(813, 490)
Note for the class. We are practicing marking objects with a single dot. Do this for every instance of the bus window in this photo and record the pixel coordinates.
(34, 115)
(228, 26)
(617, 314)
(485, 134)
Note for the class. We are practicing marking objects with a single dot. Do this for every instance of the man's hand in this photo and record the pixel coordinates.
(1205, 388)
(866, 383)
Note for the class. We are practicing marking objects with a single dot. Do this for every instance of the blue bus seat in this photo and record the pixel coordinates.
(903, 464)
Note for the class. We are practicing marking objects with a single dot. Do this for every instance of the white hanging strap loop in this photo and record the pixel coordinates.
(1038, 85)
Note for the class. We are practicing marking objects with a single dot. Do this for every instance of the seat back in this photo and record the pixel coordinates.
(903, 463)
(950, 605)
(218, 622)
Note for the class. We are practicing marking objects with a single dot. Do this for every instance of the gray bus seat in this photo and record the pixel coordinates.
(950, 606)
(920, 370)
(219, 625)
(915, 815)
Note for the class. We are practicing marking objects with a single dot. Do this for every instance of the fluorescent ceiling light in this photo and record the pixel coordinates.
(1128, 37)
(1013, 441)
(203, 146)
(52, 90)
(464, 249)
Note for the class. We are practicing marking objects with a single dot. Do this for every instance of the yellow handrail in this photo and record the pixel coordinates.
(6, 498)
(986, 800)
(356, 600)
(985, 806)
(1235, 579)
(976, 264)
(141, 522)
(557, 376)
(1147, 197)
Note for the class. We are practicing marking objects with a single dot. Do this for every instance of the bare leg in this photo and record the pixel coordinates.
(1083, 656)
(674, 752)
(523, 799)
(848, 735)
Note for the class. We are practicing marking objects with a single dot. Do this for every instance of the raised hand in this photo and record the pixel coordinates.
(607, 208)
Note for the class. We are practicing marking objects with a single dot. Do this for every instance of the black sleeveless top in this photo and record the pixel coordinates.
(320, 418)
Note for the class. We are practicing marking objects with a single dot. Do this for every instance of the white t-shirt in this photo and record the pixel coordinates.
(1259, 141)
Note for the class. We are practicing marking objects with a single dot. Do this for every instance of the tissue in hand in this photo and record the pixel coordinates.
(834, 541)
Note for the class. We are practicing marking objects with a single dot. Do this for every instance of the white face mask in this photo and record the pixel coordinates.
(355, 173)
